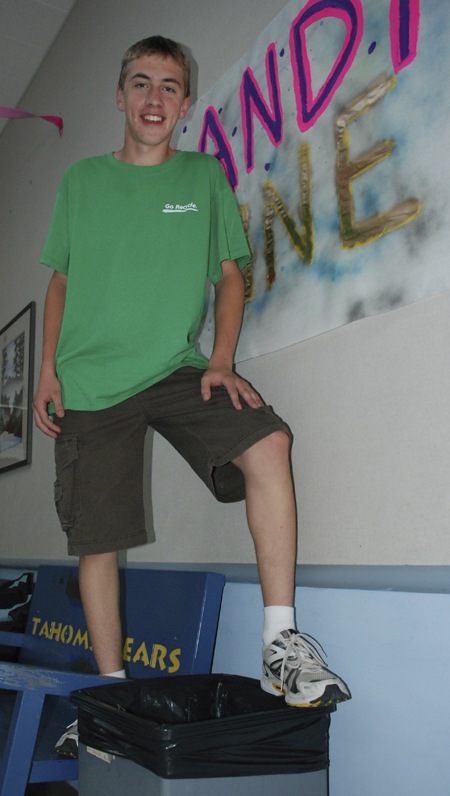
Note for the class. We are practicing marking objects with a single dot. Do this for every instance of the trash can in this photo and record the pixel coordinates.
(198, 734)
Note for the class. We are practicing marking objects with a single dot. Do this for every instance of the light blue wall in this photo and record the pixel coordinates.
(393, 649)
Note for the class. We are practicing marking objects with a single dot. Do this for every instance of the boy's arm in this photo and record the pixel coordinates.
(49, 388)
(229, 306)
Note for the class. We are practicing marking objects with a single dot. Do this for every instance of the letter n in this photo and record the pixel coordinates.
(303, 240)
(253, 102)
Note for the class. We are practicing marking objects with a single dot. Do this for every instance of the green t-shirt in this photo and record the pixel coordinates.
(138, 244)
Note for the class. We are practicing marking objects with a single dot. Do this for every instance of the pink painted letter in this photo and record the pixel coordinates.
(309, 108)
(253, 102)
(213, 129)
(404, 17)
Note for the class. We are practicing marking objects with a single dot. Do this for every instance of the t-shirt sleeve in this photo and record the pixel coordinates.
(56, 249)
(227, 238)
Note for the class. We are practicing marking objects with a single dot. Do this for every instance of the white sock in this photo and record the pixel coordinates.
(119, 674)
(276, 619)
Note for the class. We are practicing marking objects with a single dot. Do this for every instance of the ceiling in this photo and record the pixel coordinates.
(27, 30)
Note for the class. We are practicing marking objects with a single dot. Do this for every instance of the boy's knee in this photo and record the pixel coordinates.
(275, 448)
(277, 444)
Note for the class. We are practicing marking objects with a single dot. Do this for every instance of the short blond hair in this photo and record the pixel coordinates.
(157, 45)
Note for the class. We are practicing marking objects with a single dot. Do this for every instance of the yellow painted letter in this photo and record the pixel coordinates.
(174, 658)
(127, 644)
(158, 654)
(141, 654)
(303, 240)
(357, 233)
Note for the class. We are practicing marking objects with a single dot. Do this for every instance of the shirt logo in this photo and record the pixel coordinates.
(191, 207)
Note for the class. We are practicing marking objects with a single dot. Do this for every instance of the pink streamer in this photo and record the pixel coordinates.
(15, 113)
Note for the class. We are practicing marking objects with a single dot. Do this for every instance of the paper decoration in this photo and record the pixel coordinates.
(15, 113)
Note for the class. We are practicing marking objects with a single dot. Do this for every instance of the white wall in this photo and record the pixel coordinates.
(367, 403)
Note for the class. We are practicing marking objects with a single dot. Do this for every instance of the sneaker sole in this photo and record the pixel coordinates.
(66, 751)
(331, 695)
(272, 687)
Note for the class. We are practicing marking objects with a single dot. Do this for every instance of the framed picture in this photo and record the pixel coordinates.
(16, 389)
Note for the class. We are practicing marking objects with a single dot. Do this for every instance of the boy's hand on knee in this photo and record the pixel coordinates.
(235, 386)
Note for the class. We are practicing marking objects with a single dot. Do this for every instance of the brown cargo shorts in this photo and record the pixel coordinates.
(99, 456)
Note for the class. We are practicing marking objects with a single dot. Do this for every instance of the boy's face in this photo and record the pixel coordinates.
(153, 100)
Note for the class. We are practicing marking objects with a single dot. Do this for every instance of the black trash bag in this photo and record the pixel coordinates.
(15, 598)
(194, 726)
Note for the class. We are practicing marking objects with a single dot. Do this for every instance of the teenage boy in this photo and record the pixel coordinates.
(134, 237)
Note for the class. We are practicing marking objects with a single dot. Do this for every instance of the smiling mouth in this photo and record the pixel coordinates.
(150, 117)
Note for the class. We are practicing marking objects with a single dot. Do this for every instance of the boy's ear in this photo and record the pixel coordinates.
(185, 107)
(119, 99)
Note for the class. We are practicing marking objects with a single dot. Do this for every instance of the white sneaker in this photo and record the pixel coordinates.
(67, 746)
(294, 668)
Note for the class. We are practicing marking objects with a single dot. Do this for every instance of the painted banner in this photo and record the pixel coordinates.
(334, 132)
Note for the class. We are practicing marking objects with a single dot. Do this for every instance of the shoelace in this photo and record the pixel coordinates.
(305, 654)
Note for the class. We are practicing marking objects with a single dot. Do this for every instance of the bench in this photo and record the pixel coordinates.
(169, 621)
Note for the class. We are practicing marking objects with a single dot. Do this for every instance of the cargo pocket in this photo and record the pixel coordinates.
(67, 484)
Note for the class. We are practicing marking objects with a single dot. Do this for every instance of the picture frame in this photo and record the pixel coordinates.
(16, 388)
